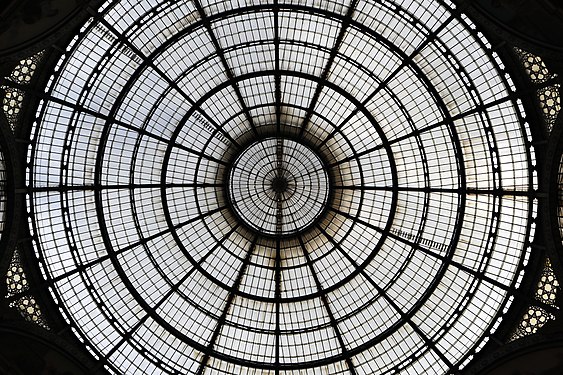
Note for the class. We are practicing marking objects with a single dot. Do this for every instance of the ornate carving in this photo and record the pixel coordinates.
(533, 319)
(548, 286)
(13, 98)
(534, 66)
(27, 305)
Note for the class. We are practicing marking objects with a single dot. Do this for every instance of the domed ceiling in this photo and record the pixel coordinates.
(281, 187)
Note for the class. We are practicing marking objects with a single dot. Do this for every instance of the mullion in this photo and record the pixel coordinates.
(230, 298)
(382, 292)
(168, 80)
(391, 76)
(459, 116)
(326, 304)
(324, 75)
(228, 71)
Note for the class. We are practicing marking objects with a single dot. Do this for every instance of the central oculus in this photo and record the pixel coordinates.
(278, 186)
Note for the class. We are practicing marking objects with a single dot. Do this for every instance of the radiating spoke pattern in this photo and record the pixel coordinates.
(281, 187)
(278, 186)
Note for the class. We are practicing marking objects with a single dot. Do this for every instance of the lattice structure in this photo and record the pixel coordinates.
(548, 286)
(29, 309)
(12, 104)
(549, 97)
(550, 103)
(25, 69)
(15, 278)
(16, 282)
(532, 320)
(536, 317)
(281, 187)
(534, 65)
(13, 98)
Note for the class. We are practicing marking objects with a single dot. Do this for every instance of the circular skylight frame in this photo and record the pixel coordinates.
(278, 186)
(64, 189)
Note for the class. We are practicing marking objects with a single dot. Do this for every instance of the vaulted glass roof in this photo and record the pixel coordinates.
(294, 187)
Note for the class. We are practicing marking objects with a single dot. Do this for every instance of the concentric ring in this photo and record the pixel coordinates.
(278, 186)
(285, 186)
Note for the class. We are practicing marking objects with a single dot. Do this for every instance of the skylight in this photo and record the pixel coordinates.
(295, 187)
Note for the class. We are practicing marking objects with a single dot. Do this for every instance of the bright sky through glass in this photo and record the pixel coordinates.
(404, 103)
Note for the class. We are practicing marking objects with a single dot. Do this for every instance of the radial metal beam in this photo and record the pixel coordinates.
(277, 75)
(431, 37)
(147, 61)
(228, 303)
(499, 192)
(404, 316)
(326, 304)
(69, 188)
(277, 263)
(277, 296)
(326, 70)
(228, 70)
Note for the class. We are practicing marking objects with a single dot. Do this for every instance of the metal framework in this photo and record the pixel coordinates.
(278, 187)
(281, 187)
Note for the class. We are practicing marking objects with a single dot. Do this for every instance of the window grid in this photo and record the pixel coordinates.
(420, 140)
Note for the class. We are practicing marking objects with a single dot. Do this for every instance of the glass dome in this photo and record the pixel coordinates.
(281, 187)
